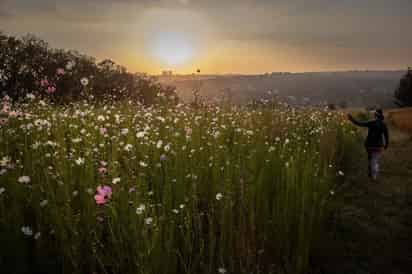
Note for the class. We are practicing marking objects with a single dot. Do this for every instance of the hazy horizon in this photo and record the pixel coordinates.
(291, 72)
(223, 37)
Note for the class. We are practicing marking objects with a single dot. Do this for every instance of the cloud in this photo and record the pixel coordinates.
(4, 14)
(307, 26)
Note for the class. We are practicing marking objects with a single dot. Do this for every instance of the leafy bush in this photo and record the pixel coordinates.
(403, 94)
(29, 66)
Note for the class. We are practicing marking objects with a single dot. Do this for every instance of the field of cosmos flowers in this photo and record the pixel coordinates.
(119, 187)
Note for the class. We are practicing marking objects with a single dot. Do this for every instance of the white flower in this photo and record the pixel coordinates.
(44, 203)
(143, 164)
(124, 131)
(70, 65)
(148, 220)
(84, 81)
(100, 118)
(219, 196)
(52, 144)
(30, 96)
(159, 144)
(36, 145)
(128, 147)
(79, 161)
(37, 235)
(175, 211)
(221, 270)
(341, 173)
(167, 147)
(27, 230)
(24, 179)
(116, 180)
(140, 134)
(2, 190)
(76, 140)
(5, 161)
(140, 209)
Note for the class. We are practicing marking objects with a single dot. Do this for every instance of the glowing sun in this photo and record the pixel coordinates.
(172, 48)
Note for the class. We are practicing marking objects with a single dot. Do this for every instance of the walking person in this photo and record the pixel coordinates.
(376, 142)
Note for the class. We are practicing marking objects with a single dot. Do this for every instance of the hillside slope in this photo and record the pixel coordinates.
(372, 229)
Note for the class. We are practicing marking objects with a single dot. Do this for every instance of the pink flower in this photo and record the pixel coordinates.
(6, 108)
(13, 114)
(103, 131)
(189, 131)
(44, 82)
(3, 121)
(51, 90)
(60, 71)
(100, 200)
(102, 170)
(104, 193)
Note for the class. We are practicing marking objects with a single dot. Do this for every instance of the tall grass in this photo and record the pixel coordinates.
(194, 190)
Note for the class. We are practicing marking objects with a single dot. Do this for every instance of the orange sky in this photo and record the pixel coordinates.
(232, 36)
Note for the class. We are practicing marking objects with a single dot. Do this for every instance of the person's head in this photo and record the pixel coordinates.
(379, 114)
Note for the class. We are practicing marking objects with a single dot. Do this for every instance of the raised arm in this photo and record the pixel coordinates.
(358, 123)
(386, 135)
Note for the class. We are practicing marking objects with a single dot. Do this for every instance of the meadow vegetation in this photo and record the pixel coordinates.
(104, 171)
(120, 187)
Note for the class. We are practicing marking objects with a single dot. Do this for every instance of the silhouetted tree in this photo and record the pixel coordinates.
(29, 65)
(403, 94)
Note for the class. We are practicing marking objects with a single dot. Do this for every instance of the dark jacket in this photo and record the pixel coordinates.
(377, 131)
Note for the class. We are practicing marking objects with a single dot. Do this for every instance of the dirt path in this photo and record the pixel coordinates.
(371, 233)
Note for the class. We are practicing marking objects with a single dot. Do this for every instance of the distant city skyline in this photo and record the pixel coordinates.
(223, 37)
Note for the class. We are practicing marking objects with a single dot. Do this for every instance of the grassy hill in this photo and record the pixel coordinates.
(118, 188)
(371, 230)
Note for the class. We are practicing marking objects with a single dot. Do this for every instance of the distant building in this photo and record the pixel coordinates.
(167, 73)
(141, 74)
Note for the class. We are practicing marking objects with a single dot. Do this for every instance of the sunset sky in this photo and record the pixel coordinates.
(218, 36)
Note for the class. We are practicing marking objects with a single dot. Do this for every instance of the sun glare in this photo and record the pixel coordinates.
(171, 48)
(175, 39)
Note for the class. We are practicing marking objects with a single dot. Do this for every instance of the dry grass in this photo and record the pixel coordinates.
(401, 118)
